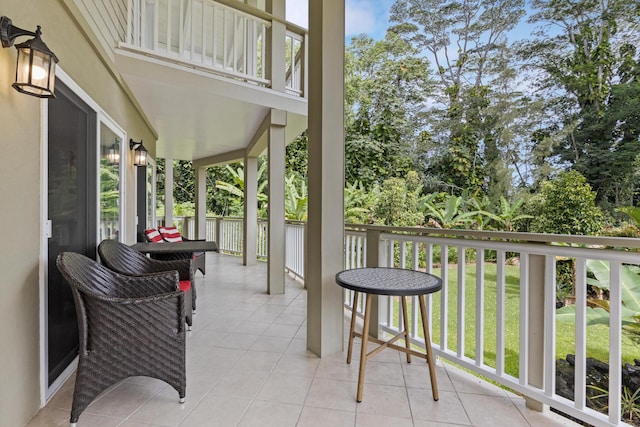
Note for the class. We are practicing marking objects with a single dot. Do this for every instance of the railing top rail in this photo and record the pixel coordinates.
(526, 247)
(506, 236)
(259, 13)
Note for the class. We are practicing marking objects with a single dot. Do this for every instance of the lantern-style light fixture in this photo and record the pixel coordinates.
(113, 155)
(36, 64)
(139, 153)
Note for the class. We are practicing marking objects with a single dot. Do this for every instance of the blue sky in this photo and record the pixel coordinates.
(362, 16)
(370, 17)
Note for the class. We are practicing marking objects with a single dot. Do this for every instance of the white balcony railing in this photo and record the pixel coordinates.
(214, 37)
(535, 285)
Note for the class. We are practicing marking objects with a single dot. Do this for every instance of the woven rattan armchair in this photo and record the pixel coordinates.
(128, 326)
(125, 260)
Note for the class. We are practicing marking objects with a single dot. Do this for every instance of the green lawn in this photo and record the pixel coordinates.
(597, 336)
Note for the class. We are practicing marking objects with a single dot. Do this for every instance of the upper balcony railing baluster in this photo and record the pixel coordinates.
(214, 37)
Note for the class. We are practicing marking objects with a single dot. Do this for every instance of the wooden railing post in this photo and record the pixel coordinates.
(376, 257)
(536, 328)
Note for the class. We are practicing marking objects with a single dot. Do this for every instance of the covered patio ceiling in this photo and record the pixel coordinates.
(198, 114)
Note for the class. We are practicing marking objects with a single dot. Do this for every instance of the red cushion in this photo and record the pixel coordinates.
(153, 235)
(170, 234)
(185, 285)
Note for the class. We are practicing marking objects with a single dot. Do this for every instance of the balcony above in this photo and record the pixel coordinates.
(205, 73)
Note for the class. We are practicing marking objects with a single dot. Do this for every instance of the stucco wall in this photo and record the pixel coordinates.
(20, 178)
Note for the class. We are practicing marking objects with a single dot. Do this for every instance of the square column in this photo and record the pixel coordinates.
(201, 202)
(325, 228)
(168, 192)
(276, 155)
(249, 243)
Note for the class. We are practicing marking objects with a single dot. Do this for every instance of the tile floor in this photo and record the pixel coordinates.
(247, 365)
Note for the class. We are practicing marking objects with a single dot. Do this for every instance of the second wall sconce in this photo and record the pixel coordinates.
(36, 64)
(139, 153)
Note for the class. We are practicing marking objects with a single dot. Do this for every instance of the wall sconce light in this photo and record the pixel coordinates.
(139, 153)
(36, 64)
(113, 156)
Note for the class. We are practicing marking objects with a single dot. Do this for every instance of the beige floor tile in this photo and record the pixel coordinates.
(490, 411)
(271, 344)
(416, 375)
(48, 417)
(337, 369)
(375, 420)
(270, 414)
(217, 410)
(546, 418)
(320, 417)
(297, 365)
(448, 409)
(332, 394)
(125, 399)
(279, 330)
(238, 341)
(165, 409)
(465, 382)
(384, 400)
(384, 373)
(285, 389)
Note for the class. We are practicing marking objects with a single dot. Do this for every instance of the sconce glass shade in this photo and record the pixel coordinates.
(139, 153)
(35, 69)
(113, 156)
(36, 63)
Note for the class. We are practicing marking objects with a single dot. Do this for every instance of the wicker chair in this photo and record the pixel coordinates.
(128, 326)
(121, 258)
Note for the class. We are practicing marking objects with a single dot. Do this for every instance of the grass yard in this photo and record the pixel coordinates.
(597, 336)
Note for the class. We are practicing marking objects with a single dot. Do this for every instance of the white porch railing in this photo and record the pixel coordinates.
(535, 286)
(213, 36)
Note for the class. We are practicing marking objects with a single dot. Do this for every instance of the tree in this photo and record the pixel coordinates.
(466, 40)
(397, 203)
(586, 51)
(565, 205)
(386, 86)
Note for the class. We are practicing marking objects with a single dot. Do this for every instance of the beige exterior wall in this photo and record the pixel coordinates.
(20, 180)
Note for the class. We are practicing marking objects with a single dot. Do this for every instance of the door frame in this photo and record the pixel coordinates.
(46, 391)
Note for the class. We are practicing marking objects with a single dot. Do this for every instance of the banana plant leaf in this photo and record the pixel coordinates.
(630, 282)
(596, 316)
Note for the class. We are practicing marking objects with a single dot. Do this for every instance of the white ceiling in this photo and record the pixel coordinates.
(198, 114)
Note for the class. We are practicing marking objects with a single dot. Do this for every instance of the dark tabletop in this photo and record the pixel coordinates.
(175, 247)
(389, 281)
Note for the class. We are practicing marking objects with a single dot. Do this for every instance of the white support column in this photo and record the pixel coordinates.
(325, 245)
(201, 203)
(249, 244)
(276, 59)
(276, 156)
(168, 192)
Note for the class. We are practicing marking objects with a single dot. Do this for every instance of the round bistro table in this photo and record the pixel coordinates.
(392, 282)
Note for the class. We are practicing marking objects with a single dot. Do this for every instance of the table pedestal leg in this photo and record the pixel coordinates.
(354, 310)
(407, 341)
(427, 344)
(365, 342)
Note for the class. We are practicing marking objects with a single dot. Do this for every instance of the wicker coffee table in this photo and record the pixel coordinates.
(392, 282)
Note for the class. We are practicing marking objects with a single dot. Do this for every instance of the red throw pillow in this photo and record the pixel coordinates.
(170, 234)
(153, 235)
(185, 285)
